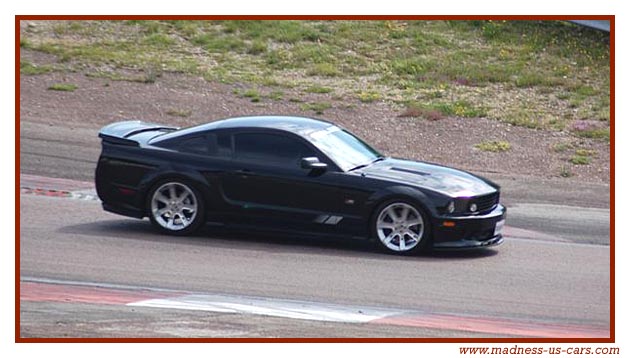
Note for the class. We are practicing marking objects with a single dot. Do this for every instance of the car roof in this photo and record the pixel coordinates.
(301, 126)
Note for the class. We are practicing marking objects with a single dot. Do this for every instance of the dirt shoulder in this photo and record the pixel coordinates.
(532, 102)
(185, 100)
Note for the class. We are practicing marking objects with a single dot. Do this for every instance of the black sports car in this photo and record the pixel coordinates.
(298, 175)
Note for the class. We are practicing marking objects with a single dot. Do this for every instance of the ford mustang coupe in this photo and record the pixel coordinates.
(296, 175)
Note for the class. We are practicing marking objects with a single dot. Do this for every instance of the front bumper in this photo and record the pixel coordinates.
(468, 232)
(469, 244)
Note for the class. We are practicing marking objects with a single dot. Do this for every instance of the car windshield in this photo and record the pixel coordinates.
(346, 150)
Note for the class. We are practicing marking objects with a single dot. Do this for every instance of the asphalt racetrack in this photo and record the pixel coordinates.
(88, 273)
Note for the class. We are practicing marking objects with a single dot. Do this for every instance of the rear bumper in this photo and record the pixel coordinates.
(468, 232)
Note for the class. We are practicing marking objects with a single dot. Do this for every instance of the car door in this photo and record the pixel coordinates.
(269, 187)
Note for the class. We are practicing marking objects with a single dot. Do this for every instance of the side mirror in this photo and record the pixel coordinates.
(313, 163)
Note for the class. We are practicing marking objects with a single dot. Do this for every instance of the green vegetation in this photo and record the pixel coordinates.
(457, 108)
(562, 147)
(252, 94)
(565, 172)
(580, 160)
(581, 156)
(148, 75)
(317, 107)
(27, 68)
(179, 112)
(537, 74)
(584, 152)
(276, 95)
(67, 87)
(323, 70)
(318, 89)
(494, 146)
(522, 117)
(600, 133)
(368, 96)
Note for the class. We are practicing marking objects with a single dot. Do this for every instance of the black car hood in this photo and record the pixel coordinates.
(449, 181)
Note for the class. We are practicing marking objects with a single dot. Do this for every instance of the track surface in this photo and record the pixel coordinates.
(552, 270)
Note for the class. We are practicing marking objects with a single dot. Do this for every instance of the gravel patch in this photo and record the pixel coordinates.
(450, 141)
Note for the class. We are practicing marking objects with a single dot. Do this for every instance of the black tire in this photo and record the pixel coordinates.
(175, 207)
(416, 238)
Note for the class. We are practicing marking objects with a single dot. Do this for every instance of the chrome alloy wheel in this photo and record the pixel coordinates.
(174, 206)
(400, 227)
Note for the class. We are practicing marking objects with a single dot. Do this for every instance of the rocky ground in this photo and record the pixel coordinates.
(186, 100)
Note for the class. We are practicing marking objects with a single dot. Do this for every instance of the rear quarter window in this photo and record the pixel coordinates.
(211, 144)
(196, 145)
(219, 145)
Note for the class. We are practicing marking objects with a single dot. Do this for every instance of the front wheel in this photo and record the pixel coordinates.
(401, 227)
(175, 207)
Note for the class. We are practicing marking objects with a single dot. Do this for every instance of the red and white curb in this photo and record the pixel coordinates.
(57, 187)
(44, 290)
(60, 193)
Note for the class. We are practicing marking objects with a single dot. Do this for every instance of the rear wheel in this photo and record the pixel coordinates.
(175, 207)
(401, 227)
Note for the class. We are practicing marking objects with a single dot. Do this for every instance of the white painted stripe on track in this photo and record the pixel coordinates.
(242, 304)
(267, 307)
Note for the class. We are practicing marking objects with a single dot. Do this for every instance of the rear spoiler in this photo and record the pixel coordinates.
(119, 132)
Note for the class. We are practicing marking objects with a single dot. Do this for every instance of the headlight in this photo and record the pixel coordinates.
(451, 207)
(473, 207)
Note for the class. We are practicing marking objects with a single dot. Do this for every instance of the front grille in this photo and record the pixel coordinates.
(486, 202)
(482, 235)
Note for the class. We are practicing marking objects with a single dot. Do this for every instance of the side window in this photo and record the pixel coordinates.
(220, 145)
(211, 144)
(196, 145)
(271, 148)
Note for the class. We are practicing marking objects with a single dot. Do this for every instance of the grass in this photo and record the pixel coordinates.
(369, 96)
(318, 89)
(148, 75)
(580, 160)
(584, 152)
(323, 70)
(179, 112)
(562, 147)
(524, 117)
(494, 146)
(452, 68)
(599, 133)
(252, 94)
(276, 95)
(581, 156)
(65, 87)
(457, 108)
(317, 107)
(565, 172)
(27, 68)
